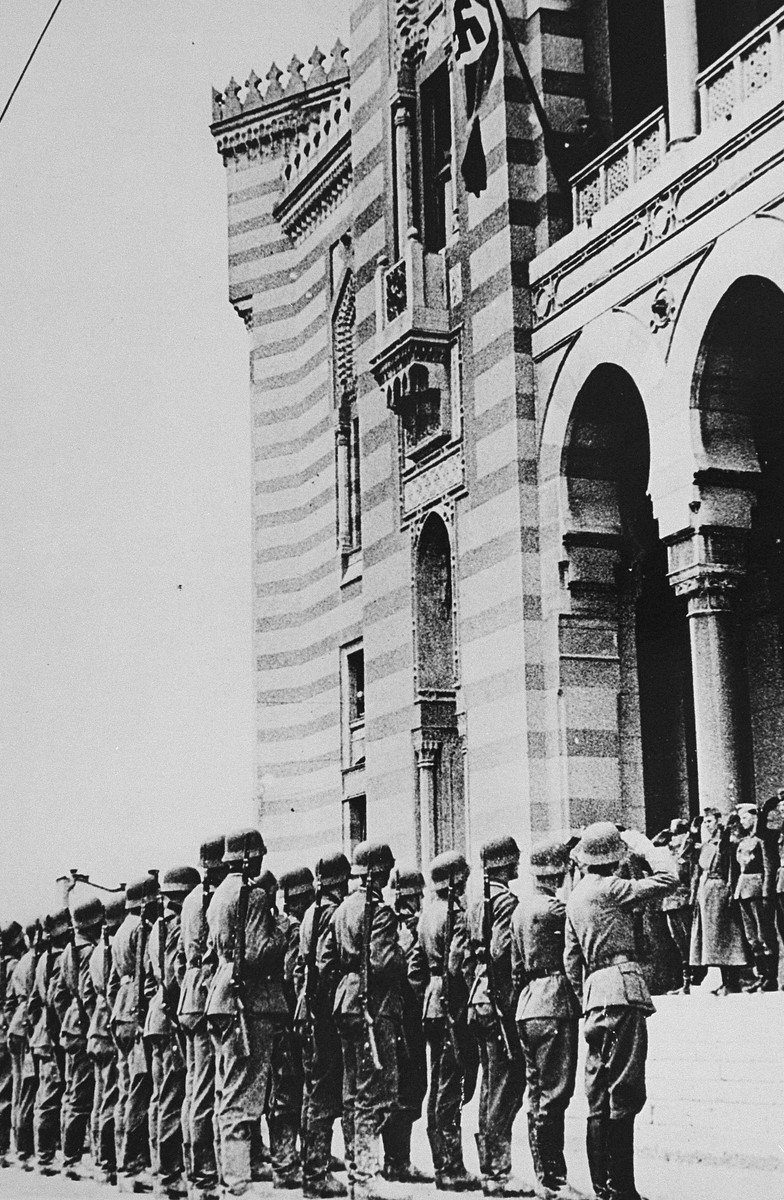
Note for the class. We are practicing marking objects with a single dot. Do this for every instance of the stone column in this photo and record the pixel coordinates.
(426, 766)
(680, 31)
(714, 679)
(344, 518)
(402, 113)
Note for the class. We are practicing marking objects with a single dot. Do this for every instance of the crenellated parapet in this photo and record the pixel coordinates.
(265, 121)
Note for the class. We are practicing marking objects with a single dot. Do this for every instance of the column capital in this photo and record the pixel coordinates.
(706, 566)
(708, 589)
(426, 749)
(403, 106)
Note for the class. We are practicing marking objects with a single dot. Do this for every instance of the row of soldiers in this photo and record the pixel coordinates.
(162, 1028)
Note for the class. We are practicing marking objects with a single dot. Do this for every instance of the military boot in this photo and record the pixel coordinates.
(317, 1178)
(620, 1160)
(396, 1137)
(369, 1183)
(596, 1149)
(497, 1179)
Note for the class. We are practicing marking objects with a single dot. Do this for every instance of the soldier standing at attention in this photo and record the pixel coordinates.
(165, 968)
(200, 1059)
(315, 1023)
(76, 998)
(408, 888)
(366, 953)
(443, 936)
(752, 891)
(101, 1048)
(11, 949)
(25, 1079)
(547, 1016)
(45, 1043)
(129, 958)
(284, 1118)
(491, 1008)
(245, 1003)
(601, 964)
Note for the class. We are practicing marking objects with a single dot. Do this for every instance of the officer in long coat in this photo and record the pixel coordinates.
(600, 958)
(200, 964)
(547, 1015)
(165, 969)
(245, 1005)
(18, 1029)
(12, 947)
(491, 1015)
(368, 1013)
(45, 1042)
(76, 997)
(450, 971)
(317, 981)
(104, 984)
(408, 887)
(129, 958)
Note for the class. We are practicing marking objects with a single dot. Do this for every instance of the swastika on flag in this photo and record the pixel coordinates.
(473, 23)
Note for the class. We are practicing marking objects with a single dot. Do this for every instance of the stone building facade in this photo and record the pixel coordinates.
(518, 490)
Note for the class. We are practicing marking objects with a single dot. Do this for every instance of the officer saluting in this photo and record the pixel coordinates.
(443, 936)
(547, 1016)
(245, 1003)
(601, 963)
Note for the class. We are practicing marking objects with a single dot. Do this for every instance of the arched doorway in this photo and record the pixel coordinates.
(437, 744)
(626, 620)
(738, 398)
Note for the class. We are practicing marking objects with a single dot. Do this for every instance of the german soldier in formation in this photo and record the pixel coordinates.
(25, 1080)
(547, 1015)
(315, 1023)
(443, 936)
(104, 983)
(12, 947)
(200, 960)
(45, 1044)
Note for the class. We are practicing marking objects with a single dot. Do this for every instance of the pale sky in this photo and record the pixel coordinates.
(126, 704)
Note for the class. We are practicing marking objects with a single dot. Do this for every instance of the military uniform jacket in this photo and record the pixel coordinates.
(197, 957)
(75, 994)
(163, 991)
(416, 963)
(105, 984)
(324, 984)
(432, 940)
(504, 902)
(20, 986)
(264, 952)
(7, 965)
(129, 955)
(290, 930)
(754, 869)
(343, 955)
(680, 897)
(600, 936)
(538, 937)
(47, 1001)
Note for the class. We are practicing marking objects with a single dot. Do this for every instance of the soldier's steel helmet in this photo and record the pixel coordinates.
(243, 840)
(88, 914)
(141, 892)
(407, 882)
(211, 853)
(448, 867)
(500, 852)
(58, 922)
(297, 882)
(267, 882)
(11, 936)
(333, 869)
(114, 910)
(179, 881)
(372, 856)
(601, 844)
(550, 857)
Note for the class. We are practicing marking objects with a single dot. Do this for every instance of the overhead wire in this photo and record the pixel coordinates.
(30, 59)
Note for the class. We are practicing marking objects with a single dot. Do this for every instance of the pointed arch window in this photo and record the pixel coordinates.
(349, 491)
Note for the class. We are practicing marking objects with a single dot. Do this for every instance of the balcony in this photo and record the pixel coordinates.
(647, 203)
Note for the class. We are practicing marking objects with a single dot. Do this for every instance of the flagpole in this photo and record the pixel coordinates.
(553, 150)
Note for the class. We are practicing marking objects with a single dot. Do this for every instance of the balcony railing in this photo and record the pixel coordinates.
(749, 68)
(621, 165)
(395, 291)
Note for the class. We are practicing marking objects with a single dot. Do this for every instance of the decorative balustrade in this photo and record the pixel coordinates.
(754, 65)
(395, 291)
(621, 165)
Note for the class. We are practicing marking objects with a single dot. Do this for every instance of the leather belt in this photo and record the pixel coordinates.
(612, 960)
(543, 975)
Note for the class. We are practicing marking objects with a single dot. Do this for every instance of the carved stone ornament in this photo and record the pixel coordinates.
(410, 34)
(663, 308)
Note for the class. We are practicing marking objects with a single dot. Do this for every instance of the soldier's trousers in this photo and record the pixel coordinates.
(679, 924)
(369, 1095)
(168, 1097)
(412, 1089)
(445, 1101)
(6, 1098)
(500, 1100)
(550, 1049)
(242, 1087)
(753, 918)
(617, 1040)
(285, 1108)
(105, 1098)
(25, 1085)
(133, 1105)
(48, 1101)
(198, 1107)
(77, 1103)
(322, 1101)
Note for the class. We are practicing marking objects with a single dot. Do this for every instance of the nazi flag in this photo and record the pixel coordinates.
(474, 25)
(475, 42)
